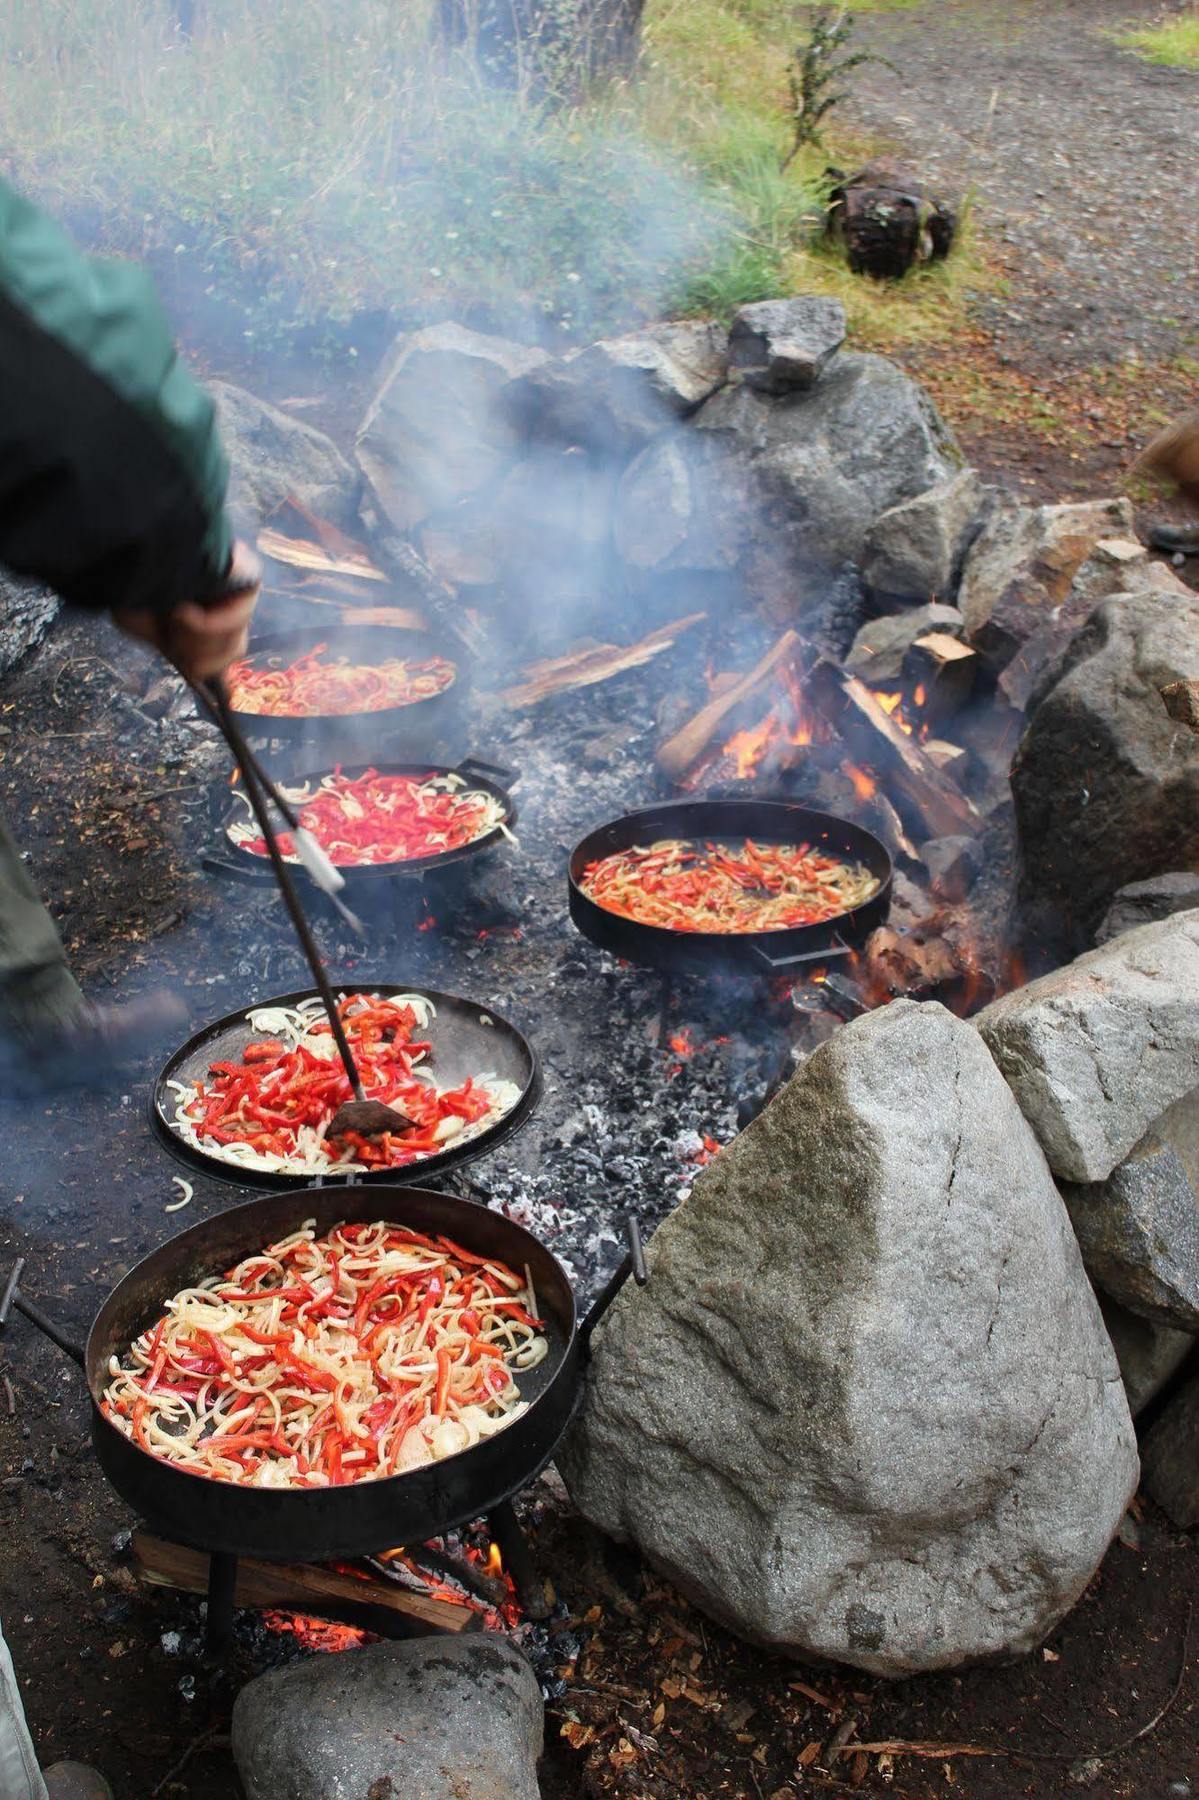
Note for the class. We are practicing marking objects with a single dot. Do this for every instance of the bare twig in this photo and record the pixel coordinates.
(207, 1740)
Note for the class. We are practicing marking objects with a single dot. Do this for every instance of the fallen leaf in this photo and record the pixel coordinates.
(576, 1733)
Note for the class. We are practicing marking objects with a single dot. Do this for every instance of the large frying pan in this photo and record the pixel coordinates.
(223, 1518)
(467, 1039)
(364, 645)
(487, 777)
(702, 952)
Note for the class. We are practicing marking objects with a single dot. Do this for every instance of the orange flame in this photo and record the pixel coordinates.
(495, 1562)
(864, 785)
(747, 748)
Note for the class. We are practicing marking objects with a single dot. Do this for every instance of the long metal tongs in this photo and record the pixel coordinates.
(369, 1118)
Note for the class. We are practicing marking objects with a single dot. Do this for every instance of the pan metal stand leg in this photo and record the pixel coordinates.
(518, 1560)
(222, 1581)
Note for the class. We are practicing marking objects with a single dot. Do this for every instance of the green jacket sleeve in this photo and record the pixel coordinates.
(112, 476)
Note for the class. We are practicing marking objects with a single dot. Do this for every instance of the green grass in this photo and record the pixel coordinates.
(310, 161)
(1174, 43)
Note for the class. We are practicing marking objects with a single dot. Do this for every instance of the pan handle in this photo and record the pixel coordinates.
(633, 1264)
(12, 1296)
(489, 771)
(784, 965)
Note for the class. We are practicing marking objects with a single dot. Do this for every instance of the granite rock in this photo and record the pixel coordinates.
(1105, 784)
(1139, 1234)
(1096, 1051)
(880, 647)
(436, 1718)
(614, 396)
(778, 345)
(274, 456)
(916, 549)
(1148, 1354)
(1171, 1453)
(1141, 902)
(865, 1407)
(437, 427)
(1023, 564)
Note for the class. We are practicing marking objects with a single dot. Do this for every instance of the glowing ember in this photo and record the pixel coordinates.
(919, 697)
(682, 1043)
(711, 1147)
(317, 1634)
(426, 924)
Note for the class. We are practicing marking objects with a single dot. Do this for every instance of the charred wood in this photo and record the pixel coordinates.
(304, 1586)
(676, 756)
(598, 662)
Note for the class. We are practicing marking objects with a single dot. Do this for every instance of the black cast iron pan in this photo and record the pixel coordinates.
(488, 778)
(367, 645)
(313, 1525)
(467, 1039)
(731, 821)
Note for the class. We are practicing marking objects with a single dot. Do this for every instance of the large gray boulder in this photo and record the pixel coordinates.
(615, 395)
(681, 506)
(274, 457)
(916, 549)
(1023, 565)
(27, 614)
(865, 1407)
(1105, 783)
(827, 461)
(1096, 1051)
(1172, 1457)
(779, 345)
(437, 427)
(1148, 1354)
(430, 1719)
(1141, 902)
(1139, 1234)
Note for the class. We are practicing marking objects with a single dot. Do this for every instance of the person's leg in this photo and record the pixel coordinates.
(38, 993)
(50, 1035)
(19, 1775)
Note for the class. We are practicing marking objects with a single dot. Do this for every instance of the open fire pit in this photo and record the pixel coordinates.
(878, 729)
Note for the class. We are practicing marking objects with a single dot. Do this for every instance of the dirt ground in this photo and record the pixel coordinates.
(1083, 165)
(1077, 159)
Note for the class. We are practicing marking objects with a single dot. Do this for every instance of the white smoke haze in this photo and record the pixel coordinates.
(308, 162)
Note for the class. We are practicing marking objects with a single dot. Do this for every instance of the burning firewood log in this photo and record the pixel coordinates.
(944, 668)
(931, 791)
(676, 756)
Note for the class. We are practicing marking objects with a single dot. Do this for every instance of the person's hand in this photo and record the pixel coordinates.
(202, 641)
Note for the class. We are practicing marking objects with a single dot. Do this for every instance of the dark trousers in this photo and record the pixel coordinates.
(37, 989)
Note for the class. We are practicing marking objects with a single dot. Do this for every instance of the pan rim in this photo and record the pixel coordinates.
(728, 941)
(351, 1192)
(247, 864)
(456, 1156)
(284, 724)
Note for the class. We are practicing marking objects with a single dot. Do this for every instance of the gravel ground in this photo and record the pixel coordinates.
(1081, 157)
